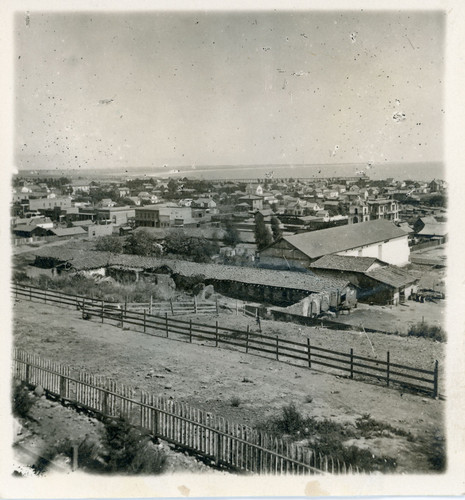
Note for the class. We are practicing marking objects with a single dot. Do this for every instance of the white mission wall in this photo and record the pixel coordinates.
(394, 251)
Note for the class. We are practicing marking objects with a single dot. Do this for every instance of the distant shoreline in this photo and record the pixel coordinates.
(414, 170)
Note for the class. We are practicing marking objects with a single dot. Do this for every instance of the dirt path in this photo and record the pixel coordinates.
(209, 378)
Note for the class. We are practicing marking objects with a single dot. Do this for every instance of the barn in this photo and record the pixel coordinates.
(380, 239)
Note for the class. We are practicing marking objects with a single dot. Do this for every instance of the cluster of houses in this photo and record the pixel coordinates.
(348, 263)
(333, 232)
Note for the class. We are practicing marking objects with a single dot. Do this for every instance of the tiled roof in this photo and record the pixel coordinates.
(79, 259)
(345, 263)
(315, 244)
(285, 279)
(392, 276)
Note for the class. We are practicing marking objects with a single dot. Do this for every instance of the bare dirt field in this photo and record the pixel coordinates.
(400, 318)
(210, 378)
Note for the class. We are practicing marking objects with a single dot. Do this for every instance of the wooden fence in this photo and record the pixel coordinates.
(234, 446)
(304, 354)
(175, 308)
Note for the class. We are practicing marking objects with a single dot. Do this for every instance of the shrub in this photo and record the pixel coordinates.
(436, 453)
(20, 276)
(235, 401)
(427, 331)
(129, 450)
(289, 422)
(22, 401)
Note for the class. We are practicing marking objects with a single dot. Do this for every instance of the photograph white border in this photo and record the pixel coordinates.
(78, 485)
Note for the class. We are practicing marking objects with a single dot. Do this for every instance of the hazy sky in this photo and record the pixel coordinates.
(120, 90)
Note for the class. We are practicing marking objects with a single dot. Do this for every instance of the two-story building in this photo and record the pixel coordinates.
(163, 215)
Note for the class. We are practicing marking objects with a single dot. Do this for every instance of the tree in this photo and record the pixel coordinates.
(142, 242)
(231, 236)
(276, 229)
(172, 188)
(263, 236)
(113, 244)
(127, 201)
(198, 249)
(435, 200)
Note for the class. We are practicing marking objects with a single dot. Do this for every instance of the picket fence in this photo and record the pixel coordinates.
(303, 354)
(230, 445)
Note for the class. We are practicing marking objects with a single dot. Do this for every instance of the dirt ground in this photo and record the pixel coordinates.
(210, 378)
(396, 319)
(52, 423)
(400, 318)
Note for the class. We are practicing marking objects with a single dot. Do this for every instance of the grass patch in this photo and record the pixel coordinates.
(328, 437)
(103, 289)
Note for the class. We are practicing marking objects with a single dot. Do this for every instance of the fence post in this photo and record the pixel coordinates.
(75, 457)
(387, 369)
(102, 310)
(144, 320)
(151, 304)
(309, 353)
(105, 403)
(436, 377)
(218, 448)
(84, 307)
(190, 331)
(247, 340)
(63, 387)
(27, 373)
(30, 293)
(155, 421)
(45, 296)
(351, 363)
(172, 309)
(195, 304)
(217, 312)
(216, 334)
(166, 321)
(277, 348)
(122, 318)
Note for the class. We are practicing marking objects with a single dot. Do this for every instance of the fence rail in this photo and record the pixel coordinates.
(301, 354)
(175, 308)
(228, 444)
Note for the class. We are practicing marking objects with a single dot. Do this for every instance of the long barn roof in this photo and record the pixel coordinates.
(315, 244)
(307, 281)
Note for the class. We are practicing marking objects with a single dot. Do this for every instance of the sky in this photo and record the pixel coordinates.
(121, 90)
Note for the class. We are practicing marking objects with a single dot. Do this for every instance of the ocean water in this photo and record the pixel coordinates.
(425, 171)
